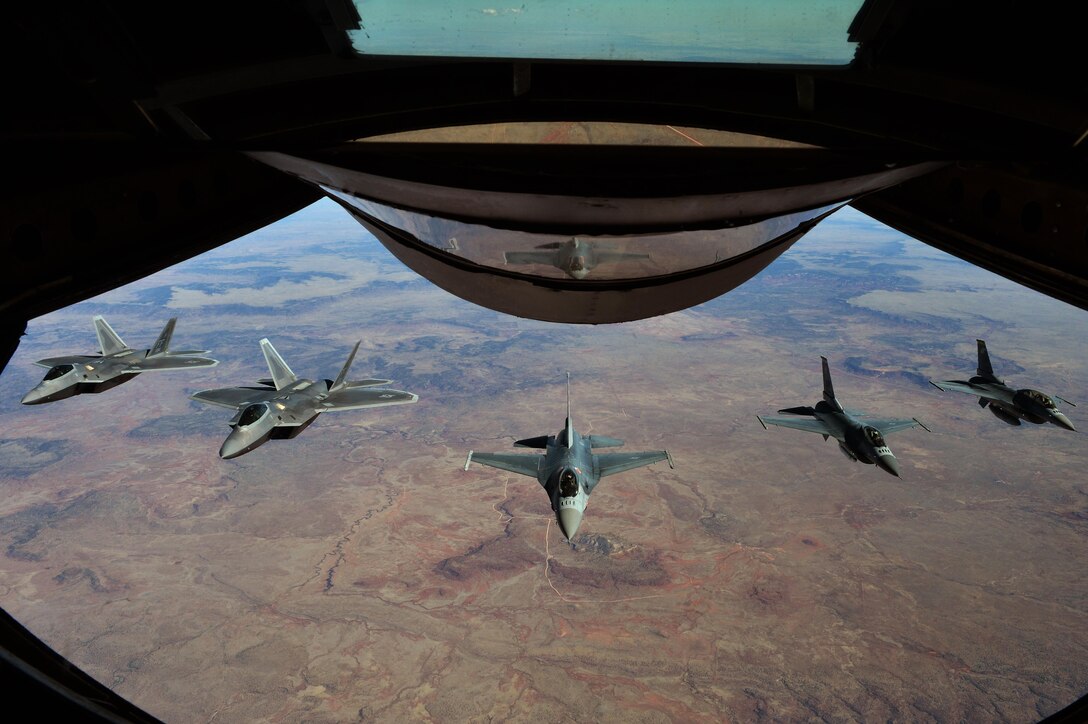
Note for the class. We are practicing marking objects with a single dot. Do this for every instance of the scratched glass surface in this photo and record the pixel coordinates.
(741, 31)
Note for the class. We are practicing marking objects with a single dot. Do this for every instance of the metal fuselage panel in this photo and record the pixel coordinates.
(562, 464)
(290, 410)
(854, 437)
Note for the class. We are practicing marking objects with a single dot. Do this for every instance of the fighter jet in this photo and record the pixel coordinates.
(859, 439)
(1007, 404)
(576, 258)
(569, 469)
(118, 363)
(286, 404)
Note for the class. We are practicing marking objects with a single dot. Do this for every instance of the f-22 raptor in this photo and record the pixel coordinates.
(861, 440)
(286, 404)
(118, 363)
(569, 469)
(1008, 404)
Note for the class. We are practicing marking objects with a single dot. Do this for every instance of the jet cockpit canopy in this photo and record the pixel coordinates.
(58, 371)
(568, 484)
(875, 437)
(1039, 397)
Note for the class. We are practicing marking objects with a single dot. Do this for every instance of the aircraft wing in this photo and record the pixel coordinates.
(514, 463)
(613, 257)
(354, 398)
(532, 257)
(808, 424)
(234, 397)
(956, 386)
(612, 463)
(960, 386)
(169, 362)
(73, 360)
(888, 426)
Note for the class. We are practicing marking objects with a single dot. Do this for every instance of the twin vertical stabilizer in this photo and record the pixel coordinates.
(108, 340)
(281, 373)
(342, 378)
(162, 344)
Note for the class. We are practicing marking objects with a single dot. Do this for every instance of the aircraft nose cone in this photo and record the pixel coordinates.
(569, 520)
(889, 463)
(34, 397)
(234, 446)
(1062, 421)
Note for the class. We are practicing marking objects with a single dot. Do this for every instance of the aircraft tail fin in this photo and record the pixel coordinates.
(829, 390)
(108, 340)
(570, 423)
(984, 367)
(281, 373)
(342, 378)
(162, 344)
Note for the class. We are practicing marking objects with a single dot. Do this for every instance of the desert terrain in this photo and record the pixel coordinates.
(358, 572)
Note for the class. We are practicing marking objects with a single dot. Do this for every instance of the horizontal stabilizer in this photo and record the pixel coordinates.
(603, 441)
(539, 443)
(185, 352)
(804, 410)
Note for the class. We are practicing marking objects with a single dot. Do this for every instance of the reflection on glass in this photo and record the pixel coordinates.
(723, 31)
(583, 257)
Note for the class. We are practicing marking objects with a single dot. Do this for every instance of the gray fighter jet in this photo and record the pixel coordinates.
(569, 469)
(575, 258)
(859, 439)
(118, 363)
(286, 404)
(1008, 404)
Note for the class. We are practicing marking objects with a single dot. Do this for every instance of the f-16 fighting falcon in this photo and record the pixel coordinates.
(575, 258)
(1008, 404)
(286, 404)
(859, 439)
(118, 363)
(569, 469)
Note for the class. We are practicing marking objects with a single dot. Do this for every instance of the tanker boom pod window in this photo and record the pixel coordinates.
(605, 278)
(594, 234)
(582, 257)
(717, 31)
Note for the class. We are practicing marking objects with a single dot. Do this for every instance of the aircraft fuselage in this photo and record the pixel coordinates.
(1013, 405)
(92, 375)
(567, 474)
(857, 440)
(282, 415)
